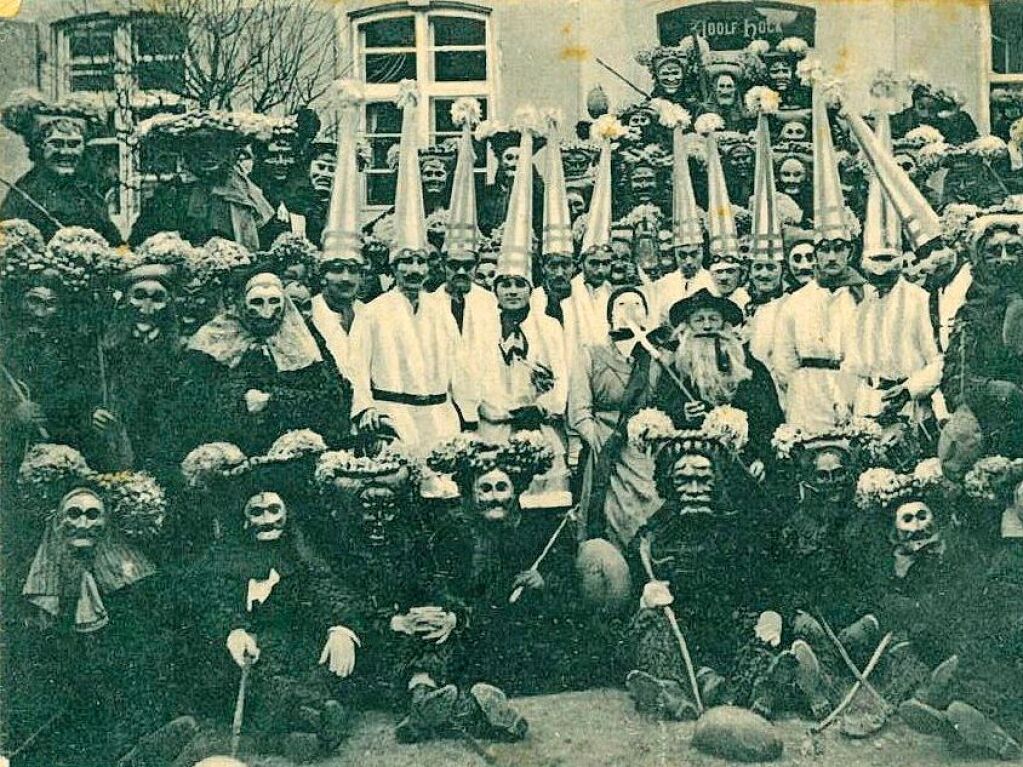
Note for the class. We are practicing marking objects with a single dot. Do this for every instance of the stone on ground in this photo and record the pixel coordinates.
(735, 733)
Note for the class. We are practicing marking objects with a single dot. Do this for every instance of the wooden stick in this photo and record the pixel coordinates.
(239, 710)
(623, 78)
(570, 514)
(102, 359)
(669, 614)
(22, 397)
(849, 663)
(855, 688)
(35, 735)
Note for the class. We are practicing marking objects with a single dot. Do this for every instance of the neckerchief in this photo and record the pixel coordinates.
(907, 554)
(226, 339)
(850, 278)
(514, 344)
(54, 569)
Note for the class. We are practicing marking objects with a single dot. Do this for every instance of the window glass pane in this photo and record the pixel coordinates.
(460, 66)
(390, 67)
(91, 42)
(380, 150)
(1007, 36)
(450, 30)
(390, 33)
(154, 37)
(92, 81)
(1006, 107)
(380, 188)
(383, 117)
(161, 75)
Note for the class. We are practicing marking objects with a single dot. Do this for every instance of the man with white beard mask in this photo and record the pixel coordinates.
(715, 368)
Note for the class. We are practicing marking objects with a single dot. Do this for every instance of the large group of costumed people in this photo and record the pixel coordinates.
(719, 398)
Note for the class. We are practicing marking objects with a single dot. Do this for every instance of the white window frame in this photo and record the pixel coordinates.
(424, 49)
(989, 79)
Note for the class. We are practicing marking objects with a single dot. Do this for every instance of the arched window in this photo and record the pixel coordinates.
(447, 47)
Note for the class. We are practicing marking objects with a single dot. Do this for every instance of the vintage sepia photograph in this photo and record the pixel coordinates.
(529, 383)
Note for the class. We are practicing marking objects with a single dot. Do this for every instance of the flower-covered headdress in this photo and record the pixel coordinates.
(291, 249)
(881, 489)
(724, 429)
(27, 113)
(993, 478)
(284, 467)
(856, 434)
(135, 512)
(525, 456)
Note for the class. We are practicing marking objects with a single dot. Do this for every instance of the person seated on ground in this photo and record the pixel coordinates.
(508, 603)
(91, 631)
(260, 603)
(694, 547)
(411, 629)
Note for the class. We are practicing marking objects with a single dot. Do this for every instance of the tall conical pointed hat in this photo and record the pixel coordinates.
(687, 228)
(516, 256)
(918, 218)
(463, 232)
(342, 235)
(598, 220)
(409, 215)
(557, 223)
(829, 213)
(882, 227)
(767, 238)
(722, 238)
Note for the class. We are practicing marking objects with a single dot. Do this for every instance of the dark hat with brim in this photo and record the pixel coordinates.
(682, 310)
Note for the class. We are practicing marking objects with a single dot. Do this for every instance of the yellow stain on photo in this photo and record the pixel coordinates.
(9, 8)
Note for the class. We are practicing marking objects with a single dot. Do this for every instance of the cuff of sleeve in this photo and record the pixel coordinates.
(347, 632)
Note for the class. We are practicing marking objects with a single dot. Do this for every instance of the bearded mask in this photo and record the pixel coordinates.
(1000, 255)
(434, 175)
(830, 474)
(196, 305)
(40, 304)
(321, 173)
(150, 308)
(792, 177)
(493, 495)
(643, 184)
(780, 73)
(693, 483)
(279, 160)
(82, 519)
(714, 361)
(724, 90)
(265, 517)
(263, 305)
(915, 531)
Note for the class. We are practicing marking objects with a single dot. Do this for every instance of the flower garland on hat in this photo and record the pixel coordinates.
(879, 489)
(992, 478)
(789, 440)
(526, 455)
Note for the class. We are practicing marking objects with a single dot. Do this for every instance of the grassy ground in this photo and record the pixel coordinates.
(600, 728)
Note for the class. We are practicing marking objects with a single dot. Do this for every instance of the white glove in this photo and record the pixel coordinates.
(256, 400)
(339, 651)
(242, 646)
(768, 628)
(431, 623)
(656, 594)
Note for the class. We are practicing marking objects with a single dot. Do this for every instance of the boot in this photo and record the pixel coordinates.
(302, 747)
(161, 747)
(501, 720)
(926, 719)
(978, 732)
(713, 687)
(810, 679)
(665, 698)
(335, 725)
(430, 711)
(860, 638)
(769, 689)
(935, 691)
(900, 672)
